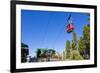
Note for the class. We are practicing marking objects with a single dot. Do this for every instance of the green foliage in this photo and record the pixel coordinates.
(51, 51)
(75, 39)
(84, 43)
(72, 51)
(67, 50)
(68, 45)
(82, 46)
(75, 55)
(38, 53)
(86, 36)
(74, 45)
(42, 51)
(24, 45)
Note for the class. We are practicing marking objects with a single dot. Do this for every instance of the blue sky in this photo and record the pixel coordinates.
(47, 29)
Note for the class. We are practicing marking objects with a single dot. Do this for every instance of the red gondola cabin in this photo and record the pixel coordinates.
(70, 27)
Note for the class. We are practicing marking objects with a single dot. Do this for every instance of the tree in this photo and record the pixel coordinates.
(82, 47)
(84, 43)
(38, 53)
(72, 50)
(45, 53)
(75, 41)
(86, 33)
(68, 45)
(75, 54)
(68, 49)
(74, 46)
(75, 37)
(86, 40)
(64, 55)
(50, 53)
(24, 45)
